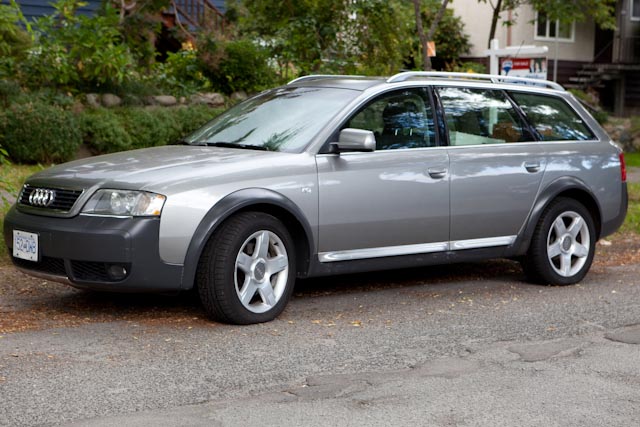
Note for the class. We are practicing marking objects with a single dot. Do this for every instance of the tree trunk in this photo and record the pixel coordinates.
(494, 21)
(421, 35)
(432, 31)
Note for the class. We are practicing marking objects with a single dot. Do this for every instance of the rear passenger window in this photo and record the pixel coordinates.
(553, 118)
(481, 116)
(400, 119)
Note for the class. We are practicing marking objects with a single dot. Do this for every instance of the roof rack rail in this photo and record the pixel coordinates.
(325, 76)
(401, 77)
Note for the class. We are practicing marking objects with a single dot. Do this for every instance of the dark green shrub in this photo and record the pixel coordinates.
(236, 65)
(39, 133)
(180, 74)
(142, 126)
(192, 118)
(117, 129)
(103, 131)
(14, 41)
(9, 91)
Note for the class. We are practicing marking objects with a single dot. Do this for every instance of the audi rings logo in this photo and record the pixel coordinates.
(42, 197)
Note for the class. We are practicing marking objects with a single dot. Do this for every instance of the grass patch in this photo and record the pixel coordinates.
(632, 159)
(13, 176)
(632, 222)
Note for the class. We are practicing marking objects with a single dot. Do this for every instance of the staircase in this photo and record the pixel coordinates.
(591, 75)
(191, 15)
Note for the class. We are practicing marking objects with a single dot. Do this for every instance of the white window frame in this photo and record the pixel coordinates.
(547, 38)
(634, 14)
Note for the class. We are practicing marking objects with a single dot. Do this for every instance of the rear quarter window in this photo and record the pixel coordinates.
(553, 118)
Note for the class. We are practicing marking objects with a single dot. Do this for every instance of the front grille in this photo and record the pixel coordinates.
(49, 265)
(63, 200)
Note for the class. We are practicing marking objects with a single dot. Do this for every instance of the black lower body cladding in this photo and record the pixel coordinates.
(102, 253)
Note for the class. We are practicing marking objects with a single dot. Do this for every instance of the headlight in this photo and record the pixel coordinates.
(125, 203)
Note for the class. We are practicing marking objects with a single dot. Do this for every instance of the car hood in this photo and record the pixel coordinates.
(138, 169)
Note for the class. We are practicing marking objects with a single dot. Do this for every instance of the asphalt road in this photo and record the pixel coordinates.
(448, 346)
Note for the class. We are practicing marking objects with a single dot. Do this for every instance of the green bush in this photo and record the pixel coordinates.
(192, 118)
(76, 51)
(14, 41)
(145, 127)
(117, 129)
(39, 133)
(9, 91)
(235, 65)
(469, 67)
(180, 74)
(103, 131)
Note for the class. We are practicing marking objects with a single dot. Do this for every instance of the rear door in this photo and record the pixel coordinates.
(496, 167)
(395, 200)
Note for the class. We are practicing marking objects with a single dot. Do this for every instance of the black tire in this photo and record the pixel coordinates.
(541, 265)
(218, 270)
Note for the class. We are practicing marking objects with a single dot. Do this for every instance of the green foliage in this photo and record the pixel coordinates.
(383, 35)
(14, 41)
(141, 26)
(632, 221)
(300, 33)
(335, 36)
(77, 51)
(9, 91)
(235, 65)
(103, 131)
(469, 67)
(632, 160)
(635, 125)
(450, 38)
(602, 12)
(39, 133)
(180, 74)
(116, 129)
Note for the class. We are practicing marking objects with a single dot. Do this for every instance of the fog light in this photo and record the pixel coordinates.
(117, 272)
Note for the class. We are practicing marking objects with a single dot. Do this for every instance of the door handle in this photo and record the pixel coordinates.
(437, 173)
(532, 166)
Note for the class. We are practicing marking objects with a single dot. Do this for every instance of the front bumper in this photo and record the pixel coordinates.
(82, 250)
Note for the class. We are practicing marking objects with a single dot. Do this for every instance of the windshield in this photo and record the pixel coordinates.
(283, 119)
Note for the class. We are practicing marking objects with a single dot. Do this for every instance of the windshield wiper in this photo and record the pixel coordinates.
(234, 145)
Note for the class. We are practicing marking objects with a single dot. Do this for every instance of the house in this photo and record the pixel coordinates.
(588, 57)
(32, 9)
(189, 13)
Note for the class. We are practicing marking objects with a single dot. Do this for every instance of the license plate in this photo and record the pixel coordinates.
(25, 245)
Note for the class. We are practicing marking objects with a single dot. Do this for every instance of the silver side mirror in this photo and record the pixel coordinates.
(355, 140)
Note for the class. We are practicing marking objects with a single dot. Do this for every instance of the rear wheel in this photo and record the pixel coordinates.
(247, 271)
(563, 244)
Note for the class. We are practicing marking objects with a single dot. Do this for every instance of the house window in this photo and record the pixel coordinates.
(635, 10)
(547, 29)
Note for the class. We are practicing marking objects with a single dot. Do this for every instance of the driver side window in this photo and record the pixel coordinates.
(400, 119)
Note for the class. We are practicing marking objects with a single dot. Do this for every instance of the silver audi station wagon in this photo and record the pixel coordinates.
(329, 175)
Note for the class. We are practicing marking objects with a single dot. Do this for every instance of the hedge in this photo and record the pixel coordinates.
(42, 133)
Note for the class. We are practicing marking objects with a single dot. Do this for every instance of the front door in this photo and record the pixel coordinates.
(395, 200)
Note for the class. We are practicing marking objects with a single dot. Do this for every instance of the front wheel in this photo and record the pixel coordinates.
(247, 271)
(563, 244)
